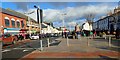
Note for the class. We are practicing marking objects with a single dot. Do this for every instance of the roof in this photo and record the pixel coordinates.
(43, 26)
(31, 19)
(13, 13)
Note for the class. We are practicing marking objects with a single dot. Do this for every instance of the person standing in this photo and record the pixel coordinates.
(62, 34)
(117, 33)
(95, 34)
(91, 34)
(77, 30)
(65, 32)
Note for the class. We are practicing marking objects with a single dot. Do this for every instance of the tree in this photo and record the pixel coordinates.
(89, 17)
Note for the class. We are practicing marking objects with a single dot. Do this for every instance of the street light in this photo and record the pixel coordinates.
(39, 19)
(63, 19)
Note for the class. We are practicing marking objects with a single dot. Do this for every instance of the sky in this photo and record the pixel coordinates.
(70, 12)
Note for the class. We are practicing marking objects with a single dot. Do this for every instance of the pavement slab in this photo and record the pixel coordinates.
(78, 48)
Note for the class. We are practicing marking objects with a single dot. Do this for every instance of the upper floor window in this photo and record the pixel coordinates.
(22, 23)
(13, 22)
(18, 24)
(7, 22)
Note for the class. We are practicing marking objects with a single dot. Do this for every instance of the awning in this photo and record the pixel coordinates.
(23, 29)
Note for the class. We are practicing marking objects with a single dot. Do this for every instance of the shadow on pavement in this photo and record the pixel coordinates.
(101, 40)
(98, 38)
(55, 43)
(116, 42)
(107, 58)
(110, 48)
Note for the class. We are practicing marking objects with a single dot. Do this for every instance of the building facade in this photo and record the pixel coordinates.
(108, 23)
(47, 28)
(32, 26)
(11, 19)
(87, 26)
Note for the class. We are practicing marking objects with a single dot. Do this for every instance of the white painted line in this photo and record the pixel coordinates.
(25, 50)
(5, 51)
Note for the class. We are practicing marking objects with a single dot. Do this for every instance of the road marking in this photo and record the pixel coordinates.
(25, 50)
(5, 51)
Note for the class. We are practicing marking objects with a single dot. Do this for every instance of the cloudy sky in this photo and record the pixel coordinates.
(70, 12)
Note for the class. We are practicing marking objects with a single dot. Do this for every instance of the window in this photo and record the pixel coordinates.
(18, 24)
(22, 23)
(13, 23)
(7, 35)
(7, 23)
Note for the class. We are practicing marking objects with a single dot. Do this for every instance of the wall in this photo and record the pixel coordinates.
(10, 17)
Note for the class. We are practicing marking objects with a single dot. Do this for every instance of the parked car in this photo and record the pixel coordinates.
(35, 36)
(8, 39)
(54, 34)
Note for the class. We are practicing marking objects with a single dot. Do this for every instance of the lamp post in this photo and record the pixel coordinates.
(39, 19)
(61, 16)
(63, 19)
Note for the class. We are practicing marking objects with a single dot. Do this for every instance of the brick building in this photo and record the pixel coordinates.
(11, 19)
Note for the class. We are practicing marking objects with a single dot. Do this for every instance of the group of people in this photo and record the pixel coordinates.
(77, 33)
(23, 36)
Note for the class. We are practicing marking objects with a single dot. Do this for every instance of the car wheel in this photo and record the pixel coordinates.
(3, 43)
(14, 41)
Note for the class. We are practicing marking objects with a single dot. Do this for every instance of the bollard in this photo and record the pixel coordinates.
(0, 50)
(79, 36)
(105, 37)
(41, 48)
(67, 41)
(48, 41)
(87, 42)
(109, 42)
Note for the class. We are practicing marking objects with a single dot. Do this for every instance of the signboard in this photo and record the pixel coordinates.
(12, 30)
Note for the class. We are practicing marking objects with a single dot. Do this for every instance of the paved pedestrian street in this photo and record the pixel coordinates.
(78, 48)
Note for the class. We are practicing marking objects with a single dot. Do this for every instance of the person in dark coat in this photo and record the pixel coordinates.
(117, 33)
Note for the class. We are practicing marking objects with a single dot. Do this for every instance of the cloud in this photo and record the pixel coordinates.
(73, 23)
(76, 12)
(73, 14)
